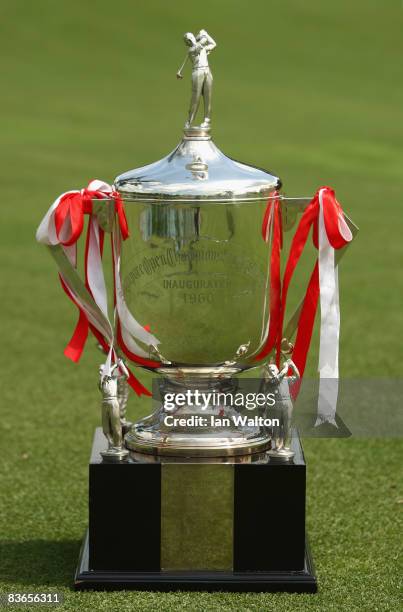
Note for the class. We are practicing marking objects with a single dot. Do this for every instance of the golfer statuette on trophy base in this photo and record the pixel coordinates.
(196, 241)
(113, 406)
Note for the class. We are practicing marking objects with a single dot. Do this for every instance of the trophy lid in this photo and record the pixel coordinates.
(197, 170)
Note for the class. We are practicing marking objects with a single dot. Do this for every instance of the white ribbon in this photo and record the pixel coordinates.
(328, 366)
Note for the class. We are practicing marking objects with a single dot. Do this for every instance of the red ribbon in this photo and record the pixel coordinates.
(273, 211)
(332, 211)
(77, 342)
(69, 214)
(75, 346)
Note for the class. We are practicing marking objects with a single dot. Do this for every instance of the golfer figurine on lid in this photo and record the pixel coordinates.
(198, 299)
(202, 79)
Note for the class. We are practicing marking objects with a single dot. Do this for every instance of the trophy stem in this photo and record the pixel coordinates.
(206, 430)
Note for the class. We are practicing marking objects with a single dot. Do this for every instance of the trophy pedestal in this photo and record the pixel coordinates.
(166, 523)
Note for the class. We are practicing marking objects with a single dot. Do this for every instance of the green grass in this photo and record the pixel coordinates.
(312, 90)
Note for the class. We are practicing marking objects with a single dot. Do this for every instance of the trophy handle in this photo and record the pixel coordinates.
(77, 285)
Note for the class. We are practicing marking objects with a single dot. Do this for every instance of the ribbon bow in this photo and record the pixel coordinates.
(73, 205)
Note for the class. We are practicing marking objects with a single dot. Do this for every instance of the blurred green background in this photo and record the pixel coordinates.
(310, 89)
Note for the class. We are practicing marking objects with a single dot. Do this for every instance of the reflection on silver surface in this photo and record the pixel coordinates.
(194, 276)
(172, 178)
(182, 225)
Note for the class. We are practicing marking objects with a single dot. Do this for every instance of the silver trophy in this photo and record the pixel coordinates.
(196, 302)
(196, 273)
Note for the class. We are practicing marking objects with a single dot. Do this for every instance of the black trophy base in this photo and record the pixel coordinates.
(289, 582)
(160, 523)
